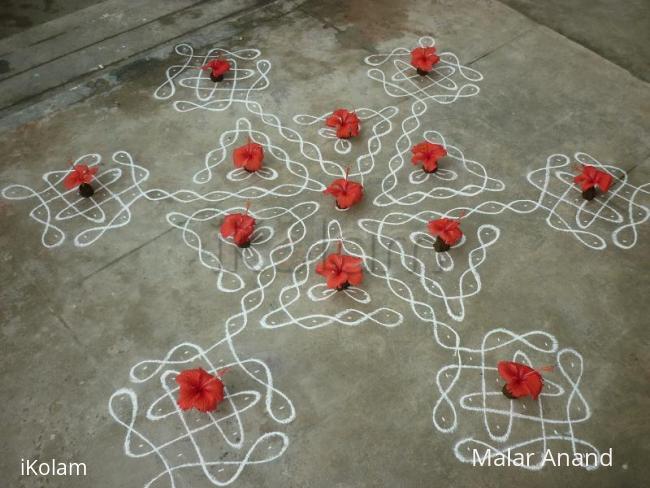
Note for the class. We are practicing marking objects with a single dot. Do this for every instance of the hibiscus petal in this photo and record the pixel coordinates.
(430, 164)
(418, 158)
(435, 227)
(583, 182)
(517, 388)
(451, 236)
(507, 370)
(604, 181)
(185, 400)
(241, 156)
(199, 389)
(351, 264)
(71, 180)
(352, 194)
(229, 226)
(205, 403)
(336, 280)
(438, 151)
(355, 278)
(336, 188)
(534, 383)
(189, 377)
(242, 236)
(335, 262)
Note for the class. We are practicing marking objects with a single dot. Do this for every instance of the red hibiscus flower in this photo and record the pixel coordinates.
(249, 156)
(592, 177)
(346, 192)
(199, 389)
(341, 271)
(446, 229)
(423, 59)
(428, 154)
(521, 380)
(217, 67)
(79, 174)
(346, 123)
(239, 226)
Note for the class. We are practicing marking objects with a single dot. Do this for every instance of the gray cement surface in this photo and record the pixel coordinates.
(617, 31)
(20, 15)
(74, 321)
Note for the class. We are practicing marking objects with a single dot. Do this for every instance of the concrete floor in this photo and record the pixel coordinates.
(365, 401)
(618, 32)
(19, 15)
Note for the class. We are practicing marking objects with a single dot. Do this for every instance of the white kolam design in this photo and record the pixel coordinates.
(304, 283)
(413, 248)
(376, 122)
(276, 160)
(204, 454)
(447, 82)
(120, 184)
(207, 98)
(307, 284)
(618, 212)
(213, 249)
(470, 386)
(457, 175)
(219, 444)
(248, 74)
(61, 212)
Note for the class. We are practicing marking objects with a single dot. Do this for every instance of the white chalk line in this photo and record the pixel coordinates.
(255, 369)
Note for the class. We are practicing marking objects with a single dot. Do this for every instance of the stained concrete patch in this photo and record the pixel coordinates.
(21, 14)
